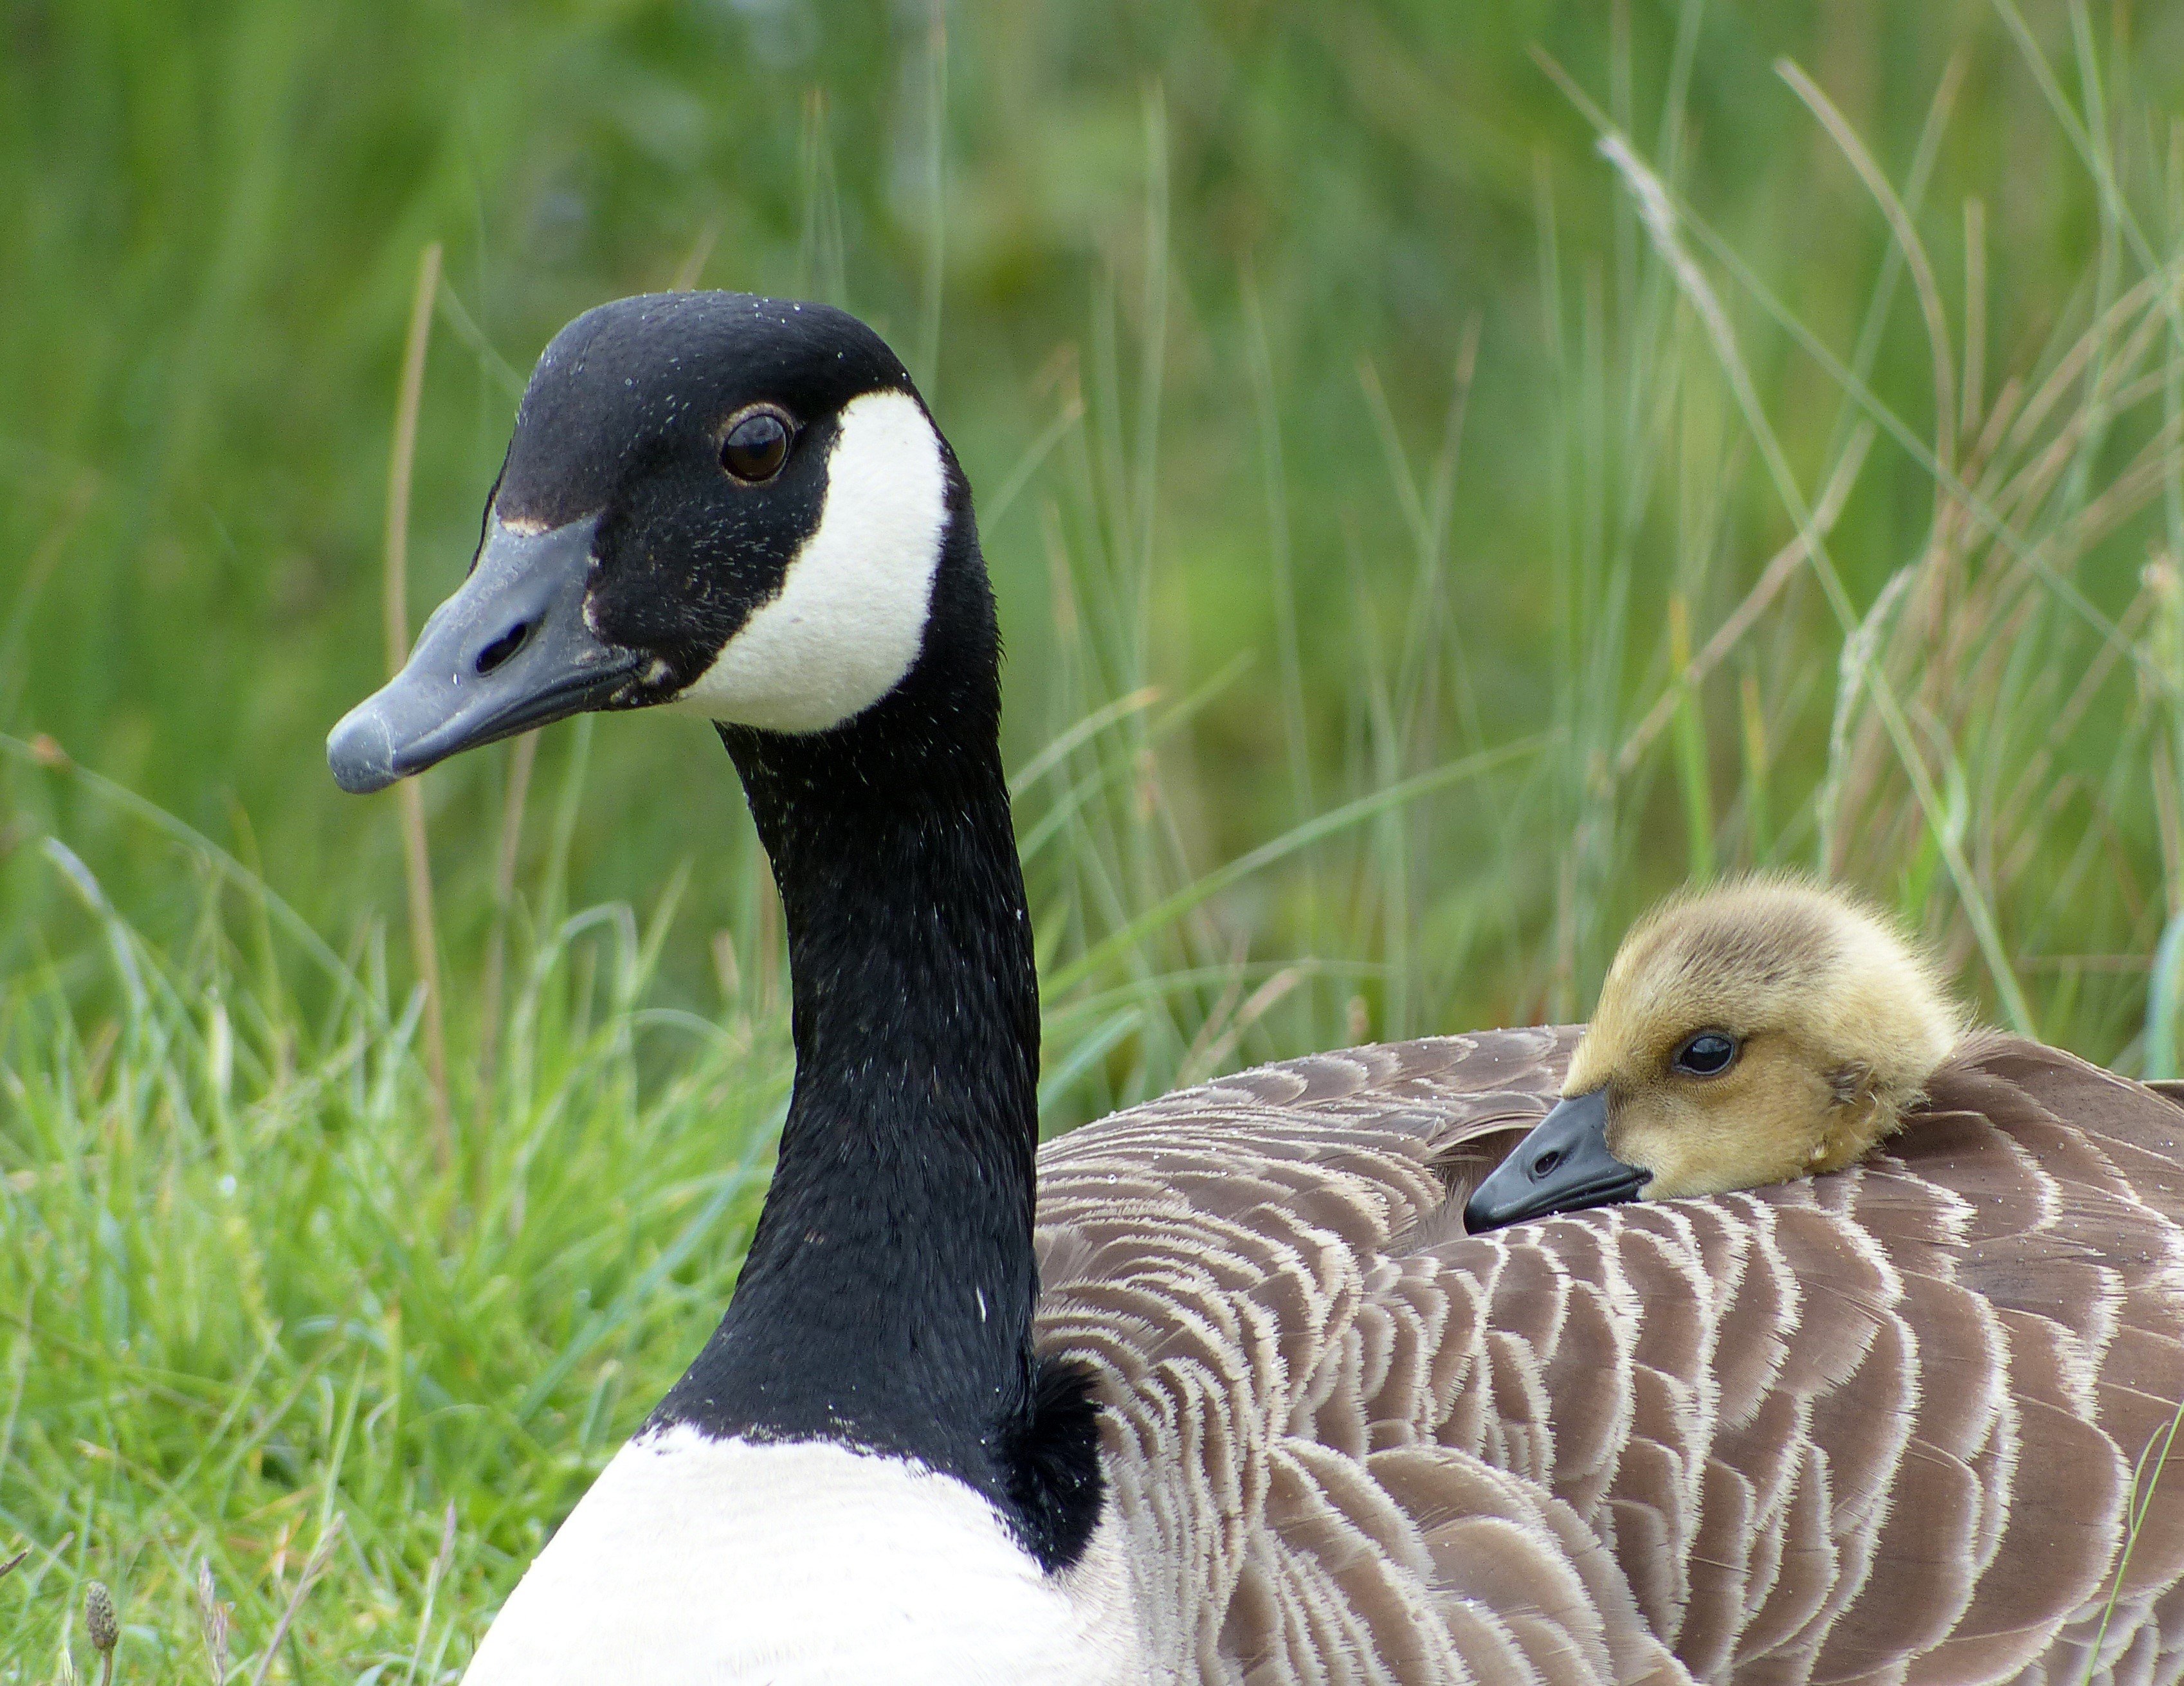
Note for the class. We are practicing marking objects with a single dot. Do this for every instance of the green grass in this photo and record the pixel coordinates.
(1439, 496)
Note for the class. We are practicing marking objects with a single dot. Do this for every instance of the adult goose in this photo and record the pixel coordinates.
(1218, 1390)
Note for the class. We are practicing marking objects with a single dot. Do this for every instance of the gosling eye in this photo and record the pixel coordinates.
(756, 444)
(1707, 1055)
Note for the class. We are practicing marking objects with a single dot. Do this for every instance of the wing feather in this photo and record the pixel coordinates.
(1885, 1424)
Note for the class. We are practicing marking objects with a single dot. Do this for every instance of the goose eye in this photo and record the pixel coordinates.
(756, 445)
(1708, 1054)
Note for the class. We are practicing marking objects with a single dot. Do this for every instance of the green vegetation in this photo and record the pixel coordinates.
(1441, 495)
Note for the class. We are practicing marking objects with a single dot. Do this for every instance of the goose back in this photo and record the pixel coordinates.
(1886, 1424)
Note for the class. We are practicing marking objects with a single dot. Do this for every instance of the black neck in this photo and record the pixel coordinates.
(888, 1296)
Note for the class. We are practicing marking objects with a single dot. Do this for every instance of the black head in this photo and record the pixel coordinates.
(734, 504)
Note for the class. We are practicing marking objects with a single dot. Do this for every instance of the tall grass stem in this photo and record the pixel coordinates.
(416, 855)
(523, 757)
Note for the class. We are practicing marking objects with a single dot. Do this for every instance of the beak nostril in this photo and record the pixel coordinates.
(502, 647)
(1544, 1166)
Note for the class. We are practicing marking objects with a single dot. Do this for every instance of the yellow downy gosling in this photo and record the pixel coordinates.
(1770, 1028)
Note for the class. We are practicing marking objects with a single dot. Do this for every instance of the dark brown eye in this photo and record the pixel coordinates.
(756, 445)
(1708, 1054)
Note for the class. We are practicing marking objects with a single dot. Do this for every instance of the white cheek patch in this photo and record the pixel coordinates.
(850, 618)
(721, 1562)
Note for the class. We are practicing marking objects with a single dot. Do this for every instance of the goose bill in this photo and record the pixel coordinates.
(507, 651)
(1562, 1166)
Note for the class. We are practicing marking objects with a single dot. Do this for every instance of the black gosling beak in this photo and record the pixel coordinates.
(507, 651)
(1562, 1166)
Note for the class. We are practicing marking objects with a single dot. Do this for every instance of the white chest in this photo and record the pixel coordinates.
(703, 1562)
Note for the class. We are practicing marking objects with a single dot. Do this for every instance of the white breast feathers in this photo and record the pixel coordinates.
(706, 1562)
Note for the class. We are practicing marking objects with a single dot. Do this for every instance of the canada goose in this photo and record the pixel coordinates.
(1238, 1401)
(1766, 1029)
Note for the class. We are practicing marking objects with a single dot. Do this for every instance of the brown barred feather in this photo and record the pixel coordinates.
(1885, 1424)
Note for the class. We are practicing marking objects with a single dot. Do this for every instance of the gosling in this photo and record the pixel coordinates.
(1768, 1029)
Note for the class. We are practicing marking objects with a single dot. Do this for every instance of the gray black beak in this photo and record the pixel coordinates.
(507, 651)
(1562, 1166)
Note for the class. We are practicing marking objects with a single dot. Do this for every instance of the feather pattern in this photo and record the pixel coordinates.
(1881, 1425)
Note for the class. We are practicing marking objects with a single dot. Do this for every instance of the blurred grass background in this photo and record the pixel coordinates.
(1449, 473)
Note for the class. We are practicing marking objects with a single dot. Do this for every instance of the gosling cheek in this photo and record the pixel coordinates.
(1655, 1135)
(1660, 1169)
(1684, 1153)
(1667, 1181)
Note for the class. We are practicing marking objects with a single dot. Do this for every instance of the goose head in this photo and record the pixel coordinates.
(734, 505)
(1767, 1030)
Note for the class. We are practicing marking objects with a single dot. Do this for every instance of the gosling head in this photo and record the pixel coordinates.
(734, 505)
(1766, 1030)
